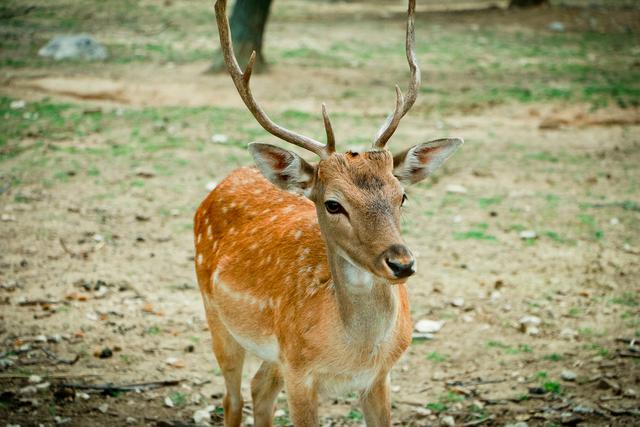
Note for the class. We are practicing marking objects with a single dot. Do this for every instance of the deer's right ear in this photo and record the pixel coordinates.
(285, 169)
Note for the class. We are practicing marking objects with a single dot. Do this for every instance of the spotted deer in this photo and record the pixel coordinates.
(302, 264)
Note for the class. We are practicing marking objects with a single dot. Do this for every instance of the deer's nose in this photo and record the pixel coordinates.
(400, 261)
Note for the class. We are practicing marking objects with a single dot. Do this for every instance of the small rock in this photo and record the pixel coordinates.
(7, 218)
(495, 295)
(437, 376)
(35, 379)
(17, 104)
(83, 396)
(429, 326)
(395, 388)
(61, 420)
(103, 408)
(568, 375)
(456, 189)
(518, 424)
(168, 402)
(279, 413)
(219, 138)
(448, 421)
(201, 416)
(579, 409)
(74, 46)
(467, 318)
(528, 234)
(105, 353)
(131, 420)
(529, 324)
(422, 412)
(174, 362)
(457, 302)
(568, 333)
(55, 338)
(614, 221)
(631, 392)
(43, 386)
(30, 389)
(556, 26)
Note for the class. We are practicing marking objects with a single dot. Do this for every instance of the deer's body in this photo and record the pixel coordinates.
(267, 281)
(314, 282)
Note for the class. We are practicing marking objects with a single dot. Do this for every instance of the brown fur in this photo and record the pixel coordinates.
(263, 269)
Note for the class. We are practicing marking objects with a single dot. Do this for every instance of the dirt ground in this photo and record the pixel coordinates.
(527, 241)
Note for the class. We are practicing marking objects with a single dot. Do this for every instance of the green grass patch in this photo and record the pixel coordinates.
(434, 356)
(553, 357)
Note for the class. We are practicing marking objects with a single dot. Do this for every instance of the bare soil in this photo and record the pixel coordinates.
(90, 263)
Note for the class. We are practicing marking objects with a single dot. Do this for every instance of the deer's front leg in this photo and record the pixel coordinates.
(376, 403)
(302, 397)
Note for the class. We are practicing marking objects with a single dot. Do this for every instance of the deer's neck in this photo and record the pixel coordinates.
(367, 304)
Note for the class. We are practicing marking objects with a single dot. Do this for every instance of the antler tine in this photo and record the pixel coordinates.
(331, 140)
(241, 81)
(403, 105)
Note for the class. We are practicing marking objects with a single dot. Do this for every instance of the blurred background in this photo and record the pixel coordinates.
(117, 120)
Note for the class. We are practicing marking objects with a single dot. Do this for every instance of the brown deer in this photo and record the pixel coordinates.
(303, 265)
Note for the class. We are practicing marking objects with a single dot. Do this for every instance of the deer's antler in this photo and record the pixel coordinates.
(403, 103)
(241, 80)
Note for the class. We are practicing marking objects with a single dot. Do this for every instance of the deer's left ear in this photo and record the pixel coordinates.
(419, 161)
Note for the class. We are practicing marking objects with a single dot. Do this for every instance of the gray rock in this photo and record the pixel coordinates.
(579, 409)
(556, 26)
(448, 421)
(518, 424)
(568, 375)
(74, 46)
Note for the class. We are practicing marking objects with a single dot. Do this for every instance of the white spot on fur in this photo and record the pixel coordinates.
(209, 232)
(199, 238)
(200, 259)
(297, 234)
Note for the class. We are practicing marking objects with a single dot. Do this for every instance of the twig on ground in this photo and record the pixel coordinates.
(458, 383)
(114, 388)
(59, 360)
(82, 254)
(478, 422)
(39, 302)
(44, 375)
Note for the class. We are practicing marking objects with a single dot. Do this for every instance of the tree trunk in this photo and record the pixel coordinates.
(248, 21)
(527, 3)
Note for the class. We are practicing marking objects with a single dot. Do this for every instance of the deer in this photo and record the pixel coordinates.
(302, 263)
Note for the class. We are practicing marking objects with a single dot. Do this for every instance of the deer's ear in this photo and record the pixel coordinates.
(285, 169)
(419, 161)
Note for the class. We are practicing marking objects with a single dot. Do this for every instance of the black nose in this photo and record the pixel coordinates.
(400, 261)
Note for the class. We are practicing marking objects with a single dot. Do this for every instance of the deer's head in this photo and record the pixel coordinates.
(358, 196)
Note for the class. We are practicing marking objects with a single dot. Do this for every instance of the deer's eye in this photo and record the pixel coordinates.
(404, 199)
(334, 207)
